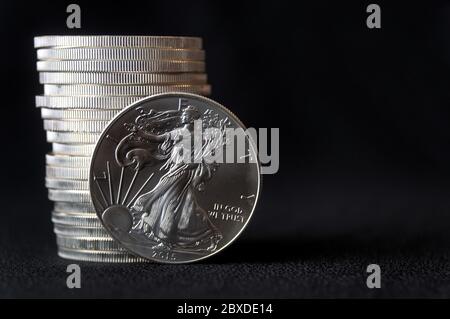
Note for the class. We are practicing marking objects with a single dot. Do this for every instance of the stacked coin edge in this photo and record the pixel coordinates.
(87, 80)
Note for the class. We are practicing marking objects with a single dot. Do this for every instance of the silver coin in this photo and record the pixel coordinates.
(67, 161)
(86, 102)
(120, 54)
(73, 150)
(70, 208)
(60, 195)
(70, 114)
(118, 41)
(151, 200)
(67, 184)
(122, 90)
(72, 231)
(98, 256)
(156, 66)
(75, 126)
(97, 243)
(122, 78)
(71, 137)
(76, 220)
(57, 172)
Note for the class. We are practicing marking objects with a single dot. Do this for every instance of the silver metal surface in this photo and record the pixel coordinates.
(58, 172)
(67, 161)
(76, 231)
(92, 255)
(155, 66)
(73, 149)
(155, 204)
(71, 138)
(86, 102)
(96, 243)
(80, 220)
(79, 126)
(120, 54)
(71, 114)
(71, 208)
(121, 90)
(117, 41)
(121, 78)
(67, 184)
(74, 196)
(87, 81)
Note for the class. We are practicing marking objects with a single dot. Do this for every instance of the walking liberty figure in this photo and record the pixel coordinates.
(169, 215)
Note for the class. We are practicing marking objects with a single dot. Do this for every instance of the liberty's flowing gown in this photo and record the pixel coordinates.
(169, 213)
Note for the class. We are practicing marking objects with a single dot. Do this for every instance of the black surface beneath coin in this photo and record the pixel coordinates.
(295, 268)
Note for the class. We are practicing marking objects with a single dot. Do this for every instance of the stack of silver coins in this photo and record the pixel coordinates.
(87, 81)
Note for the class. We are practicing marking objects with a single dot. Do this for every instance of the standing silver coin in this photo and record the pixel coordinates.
(164, 181)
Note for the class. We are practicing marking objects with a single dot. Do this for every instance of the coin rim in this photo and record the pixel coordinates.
(177, 95)
(99, 256)
(112, 78)
(75, 41)
(127, 66)
(99, 53)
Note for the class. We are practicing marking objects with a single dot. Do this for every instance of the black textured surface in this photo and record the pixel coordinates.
(251, 268)
(328, 270)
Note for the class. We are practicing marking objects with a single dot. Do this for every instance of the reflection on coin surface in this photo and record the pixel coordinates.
(164, 200)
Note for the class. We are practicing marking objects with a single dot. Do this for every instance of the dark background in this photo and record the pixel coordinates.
(364, 125)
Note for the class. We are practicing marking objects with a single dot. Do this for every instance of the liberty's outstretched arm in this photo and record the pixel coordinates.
(154, 138)
(140, 148)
